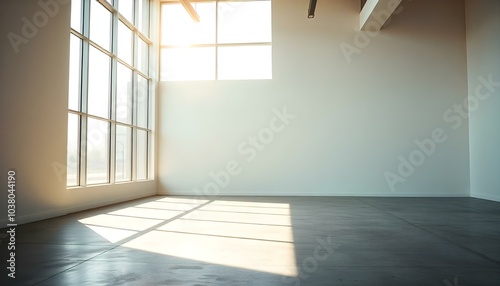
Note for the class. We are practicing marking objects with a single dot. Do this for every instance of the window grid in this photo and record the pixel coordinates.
(111, 122)
(216, 45)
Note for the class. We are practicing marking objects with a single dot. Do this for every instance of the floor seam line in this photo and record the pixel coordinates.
(129, 239)
(439, 236)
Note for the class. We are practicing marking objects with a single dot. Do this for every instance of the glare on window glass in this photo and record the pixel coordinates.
(244, 22)
(123, 94)
(73, 151)
(76, 15)
(97, 151)
(100, 25)
(124, 43)
(142, 16)
(74, 72)
(141, 102)
(245, 62)
(179, 29)
(142, 153)
(123, 167)
(142, 56)
(126, 8)
(99, 83)
(188, 63)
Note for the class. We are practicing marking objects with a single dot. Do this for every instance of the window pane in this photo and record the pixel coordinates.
(124, 43)
(142, 56)
(123, 94)
(142, 152)
(72, 152)
(188, 64)
(244, 22)
(97, 151)
(100, 25)
(74, 72)
(126, 8)
(179, 29)
(123, 153)
(142, 102)
(99, 83)
(142, 16)
(245, 62)
(76, 15)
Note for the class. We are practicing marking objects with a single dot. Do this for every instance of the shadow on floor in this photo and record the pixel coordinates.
(264, 241)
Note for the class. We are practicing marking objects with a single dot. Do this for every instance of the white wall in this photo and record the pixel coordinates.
(352, 120)
(33, 120)
(483, 50)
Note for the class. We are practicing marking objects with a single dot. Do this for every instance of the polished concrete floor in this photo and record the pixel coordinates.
(265, 241)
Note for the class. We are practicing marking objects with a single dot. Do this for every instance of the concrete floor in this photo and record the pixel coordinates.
(265, 241)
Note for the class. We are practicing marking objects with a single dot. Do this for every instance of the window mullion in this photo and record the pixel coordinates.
(134, 154)
(112, 152)
(83, 151)
(84, 94)
(135, 94)
(148, 155)
(86, 119)
(217, 40)
(106, 4)
(113, 98)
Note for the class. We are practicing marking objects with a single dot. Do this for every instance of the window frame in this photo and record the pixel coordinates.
(82, 111)
(216, 44)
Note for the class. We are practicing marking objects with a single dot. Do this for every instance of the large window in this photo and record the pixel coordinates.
(109, 106)
(232, 40)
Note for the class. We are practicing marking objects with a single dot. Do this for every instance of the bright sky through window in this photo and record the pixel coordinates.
(233, 40)
(109, 102)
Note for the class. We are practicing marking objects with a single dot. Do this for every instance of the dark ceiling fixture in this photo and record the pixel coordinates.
(312, 8)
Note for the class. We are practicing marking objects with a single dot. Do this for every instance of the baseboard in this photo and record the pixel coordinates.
(313, 194)
(107, 203)
(36, 217)
(495, 198)
(60, 212)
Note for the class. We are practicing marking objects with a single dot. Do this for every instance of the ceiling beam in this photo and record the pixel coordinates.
(375, 13)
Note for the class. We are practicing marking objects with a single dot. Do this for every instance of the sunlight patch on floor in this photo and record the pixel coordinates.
(247, 235)
(147, 213)
(112, 235)
(120, 222)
